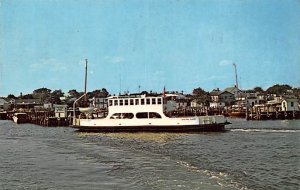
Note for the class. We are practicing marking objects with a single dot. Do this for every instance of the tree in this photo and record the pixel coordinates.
(73, 93)
(42, 91)
(296, 92)
(27, 96)
(201, 96)
(258, 89)
(104, 92)
(55, 96)
(199, 92)
(279, 89)
(43, 94)
(11, 96)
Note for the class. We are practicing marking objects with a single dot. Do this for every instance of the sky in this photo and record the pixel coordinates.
(179, 44)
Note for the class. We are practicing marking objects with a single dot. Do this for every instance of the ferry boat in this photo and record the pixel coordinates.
(145, 113)
(20, 118)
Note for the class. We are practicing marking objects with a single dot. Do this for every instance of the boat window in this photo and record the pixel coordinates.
(126, 102)
(159, 101)
(154, 115)
(121, 102)
(142, 101)
(122, 116)
(110, 102)
(142, 115)
(116, 102)
(148, 101)
(153, 100)
(116, 116)
(131, 101)
(137, 101)
(127, 115)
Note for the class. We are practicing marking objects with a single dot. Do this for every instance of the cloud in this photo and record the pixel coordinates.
(50, 64)
(115, 59)
(225, 62)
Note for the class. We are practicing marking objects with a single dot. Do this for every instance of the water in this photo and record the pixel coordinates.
(251, 155)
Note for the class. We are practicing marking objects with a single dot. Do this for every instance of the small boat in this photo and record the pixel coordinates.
(86, 110)
(145, 113)
(238, 114)
(20, 118)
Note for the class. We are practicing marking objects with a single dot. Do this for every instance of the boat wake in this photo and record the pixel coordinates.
(266, 130)
(220, 178)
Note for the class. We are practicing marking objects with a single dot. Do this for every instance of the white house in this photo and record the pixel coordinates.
(197, 104)
(60, 110)
(290, 104)
(216, 104)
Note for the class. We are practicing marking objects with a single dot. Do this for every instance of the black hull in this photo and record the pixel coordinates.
(174, 129)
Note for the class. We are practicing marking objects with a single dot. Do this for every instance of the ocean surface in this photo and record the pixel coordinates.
(250, 155)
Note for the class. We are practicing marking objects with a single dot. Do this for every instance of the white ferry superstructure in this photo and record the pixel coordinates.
(142, 113)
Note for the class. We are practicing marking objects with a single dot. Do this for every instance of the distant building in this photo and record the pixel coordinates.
(216, 104)
(180, 101)
(214, 95)
(226, 97)
(219, 98)
(25, 103)
(197, 104)
(284, 104)
(48, 106)
(3, 104)
(233, 90)
(290, 104)
(60, 110)
(100, 103)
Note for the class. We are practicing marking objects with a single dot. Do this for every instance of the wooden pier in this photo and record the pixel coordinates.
(43, 118)
(257, 114)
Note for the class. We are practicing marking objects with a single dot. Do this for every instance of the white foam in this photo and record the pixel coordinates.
(267, 130)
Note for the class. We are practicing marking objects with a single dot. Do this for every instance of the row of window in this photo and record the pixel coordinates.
(140, 115)
(143, 101)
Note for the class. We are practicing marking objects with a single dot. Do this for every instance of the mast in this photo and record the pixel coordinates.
(236, 78)
(85, 80)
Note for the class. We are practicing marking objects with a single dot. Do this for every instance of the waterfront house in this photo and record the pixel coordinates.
(48, 106)
(100, 103)
(289, 104)
(216, 104)
(25, 103)
(214, 95)
(3, 104)
(60, 110)
(233, 90)
(197, 104)
(226, 97)
(283, 104)
(181, 101)
(218, 98)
